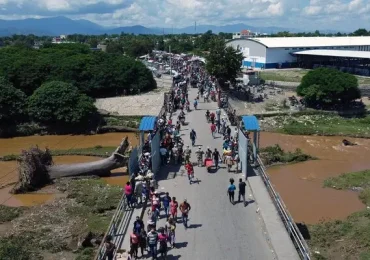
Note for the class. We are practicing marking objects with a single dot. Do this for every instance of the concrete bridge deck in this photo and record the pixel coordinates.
(217, 229)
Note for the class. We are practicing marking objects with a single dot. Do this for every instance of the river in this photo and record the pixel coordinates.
(301, 185)
(8, 170)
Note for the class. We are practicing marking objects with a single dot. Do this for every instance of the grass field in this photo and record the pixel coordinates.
(88, 206)
(296, 76)
(350, 238)
(326, 125)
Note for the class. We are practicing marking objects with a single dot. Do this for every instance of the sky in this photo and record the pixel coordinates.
(338, 15)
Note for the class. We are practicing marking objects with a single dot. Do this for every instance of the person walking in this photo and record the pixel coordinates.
(218, 125)
(173, 206)
(138, 225)
(193, 136)
(166, 203)
(213, 130)
(134, 243)
(152, 240)
(128, 194)
(163, 238)
(185, 208)
(196, 103)
(109, 248)
(142, 242)
(200, 154)
(216, 157)
(190, 171)
(163, 152)
(209, 153)
(170, 229)
(187, 153)
(231, 191)
(242, 186)
(218, 114)
(212, 116)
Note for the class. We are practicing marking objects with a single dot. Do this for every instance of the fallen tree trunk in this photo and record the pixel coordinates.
(36, 167)
(99, 168)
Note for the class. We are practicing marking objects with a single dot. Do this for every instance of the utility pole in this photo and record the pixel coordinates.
(195, 27)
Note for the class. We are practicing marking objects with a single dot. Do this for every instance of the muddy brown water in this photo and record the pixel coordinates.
(301, 185)
(8, 170)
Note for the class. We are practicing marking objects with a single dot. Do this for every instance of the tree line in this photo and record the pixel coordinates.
(94, 73)
(55, 86)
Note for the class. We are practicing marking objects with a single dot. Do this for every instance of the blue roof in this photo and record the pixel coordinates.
(147, 123)
(251, 123)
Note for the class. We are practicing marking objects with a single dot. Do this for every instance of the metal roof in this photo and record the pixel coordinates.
(251, 123)
(147, 123)
(337, 53)
(284, 42)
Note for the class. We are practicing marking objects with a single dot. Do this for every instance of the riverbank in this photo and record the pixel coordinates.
(72, 224)
(349, 238)
(98, 151)
(108, 123)
(321, 124)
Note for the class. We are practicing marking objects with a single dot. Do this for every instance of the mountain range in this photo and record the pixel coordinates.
(59, 25)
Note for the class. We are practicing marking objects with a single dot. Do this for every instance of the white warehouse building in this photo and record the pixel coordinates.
(277, 52)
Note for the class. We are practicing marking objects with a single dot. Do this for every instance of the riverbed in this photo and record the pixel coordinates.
(301, 185)
(9, 174)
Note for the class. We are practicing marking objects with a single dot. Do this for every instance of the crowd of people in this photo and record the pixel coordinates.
(153, 239)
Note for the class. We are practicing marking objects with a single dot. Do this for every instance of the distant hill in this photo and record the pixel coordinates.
(61, 25)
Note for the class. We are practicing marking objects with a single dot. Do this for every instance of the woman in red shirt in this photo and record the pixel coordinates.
(190, 169)
(128, 193)
(163, 238)
(134, 242)
(173, 206)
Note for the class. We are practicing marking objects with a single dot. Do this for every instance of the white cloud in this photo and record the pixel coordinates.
(315, 14)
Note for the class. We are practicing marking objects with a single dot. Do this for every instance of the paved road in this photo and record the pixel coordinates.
(217, 230)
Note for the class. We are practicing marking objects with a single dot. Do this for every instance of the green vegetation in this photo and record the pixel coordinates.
(96, 74)
(129, 121)
(348, 239)
(283, 75)
(61, 105)
(296, 75)
(93, 193)
(56, 227)
(18, 248)
(324, 125)
(86, 254)
(99, 151)
(40, 95)
(355, 180)
(9, 213)
(327, 87)
(12, 104)
(223, 62)
(276, 155)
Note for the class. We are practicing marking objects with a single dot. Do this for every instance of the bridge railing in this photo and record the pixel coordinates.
(287, 219)
(117, 227)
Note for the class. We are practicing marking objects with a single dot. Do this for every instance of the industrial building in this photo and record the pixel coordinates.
(284, 52)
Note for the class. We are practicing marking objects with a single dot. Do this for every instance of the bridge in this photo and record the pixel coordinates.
(261, 230)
